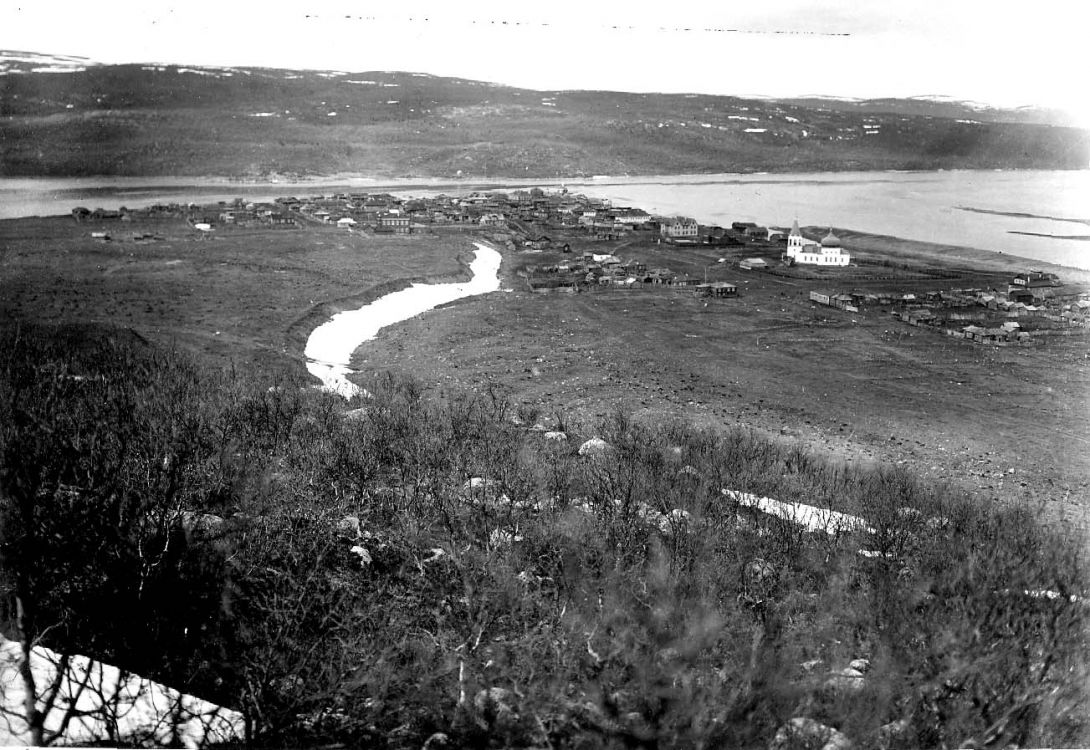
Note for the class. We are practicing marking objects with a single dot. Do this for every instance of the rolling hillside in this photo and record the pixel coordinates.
(62, 116)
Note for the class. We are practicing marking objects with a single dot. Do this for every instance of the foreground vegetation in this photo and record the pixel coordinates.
(426, 568)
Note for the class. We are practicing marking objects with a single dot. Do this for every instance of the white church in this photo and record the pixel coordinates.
(828, 252)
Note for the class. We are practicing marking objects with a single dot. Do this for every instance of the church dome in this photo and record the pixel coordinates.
(830, 240)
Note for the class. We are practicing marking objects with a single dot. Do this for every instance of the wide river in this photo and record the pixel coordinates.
(1039, 214)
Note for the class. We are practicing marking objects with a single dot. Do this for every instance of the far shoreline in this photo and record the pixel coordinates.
(864, 243)
(108, 181)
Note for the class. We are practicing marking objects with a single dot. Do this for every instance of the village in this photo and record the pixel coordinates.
(1033, 308)
(568, 242)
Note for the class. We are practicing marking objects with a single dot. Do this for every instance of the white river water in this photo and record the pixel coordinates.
(329, 349)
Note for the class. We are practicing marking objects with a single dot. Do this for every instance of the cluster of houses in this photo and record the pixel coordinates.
(593, 269)
(1005, 332)
(529, 214)
(199, 216)
(982, 315)
(523, 211)
(608, 270)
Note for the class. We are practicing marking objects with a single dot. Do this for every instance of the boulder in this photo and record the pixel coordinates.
(479, 483)
(860, 665)
(435, 554)
(556, 435)
(689, 471)
(801, 732)
(503, 538)
(679, 515)
(594, 447)
(362, 554)
(350, 526)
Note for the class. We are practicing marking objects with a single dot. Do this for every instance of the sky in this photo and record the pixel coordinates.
(991, 51)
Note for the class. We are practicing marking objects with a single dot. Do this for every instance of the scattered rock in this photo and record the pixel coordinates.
(350, 526)
(675, 519)
(806, 733)
(555, 435)
(594, 447)
(860, 665)
(811, 665)
(838, 741)
(363, 554)
(503, 538)
(479, 483)
(912, 514)
(939, 523)
(437, 553)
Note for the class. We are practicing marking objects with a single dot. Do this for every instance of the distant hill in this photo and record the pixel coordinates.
(937, 106)
(66, 116)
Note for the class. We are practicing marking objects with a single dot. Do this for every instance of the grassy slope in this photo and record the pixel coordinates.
(352, 588)
(124, 120)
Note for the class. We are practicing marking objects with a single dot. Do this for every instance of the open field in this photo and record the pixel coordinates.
(860, 386)
(1007, 423)
(250, 296)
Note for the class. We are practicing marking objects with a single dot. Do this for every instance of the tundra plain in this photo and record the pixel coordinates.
(1008, 424)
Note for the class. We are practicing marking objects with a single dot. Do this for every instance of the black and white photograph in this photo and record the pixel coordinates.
(552, 375)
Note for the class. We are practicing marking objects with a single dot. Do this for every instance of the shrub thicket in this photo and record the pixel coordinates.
(425, 563)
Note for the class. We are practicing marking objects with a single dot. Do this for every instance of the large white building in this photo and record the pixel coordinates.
(828, 252)
(679, 226)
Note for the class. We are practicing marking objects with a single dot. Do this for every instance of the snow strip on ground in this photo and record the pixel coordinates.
(104, 695)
